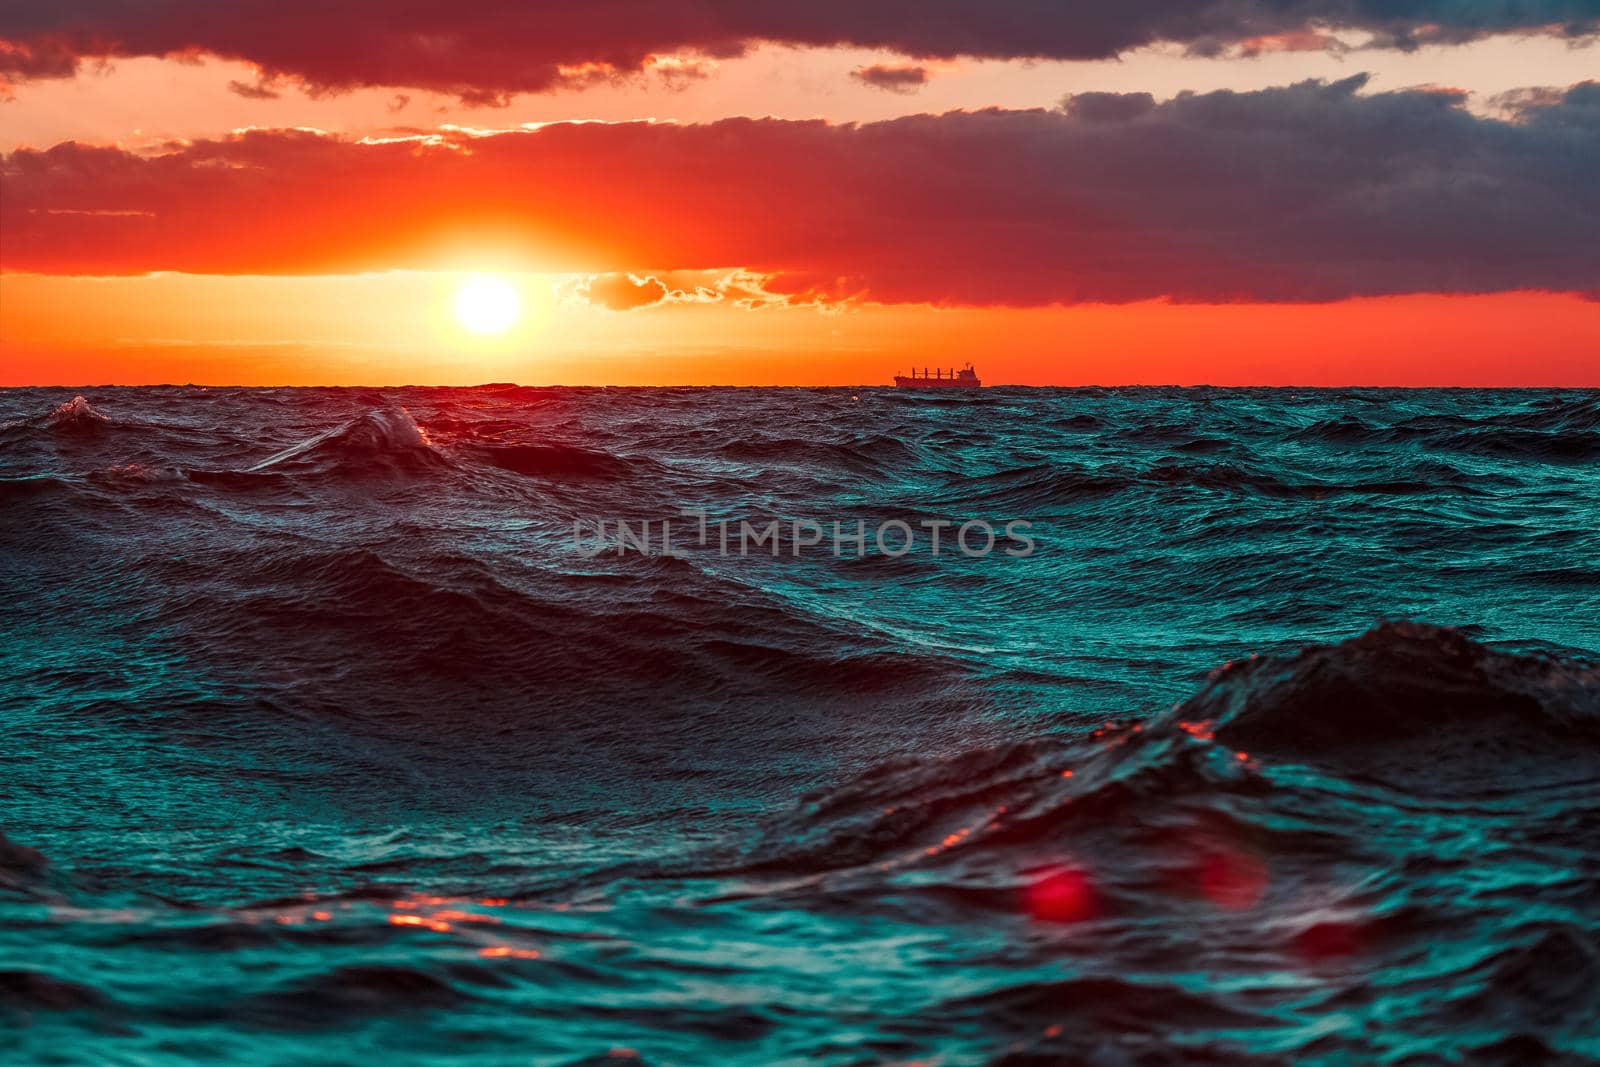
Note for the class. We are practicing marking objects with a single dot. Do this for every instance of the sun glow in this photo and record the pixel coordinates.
(487, 305)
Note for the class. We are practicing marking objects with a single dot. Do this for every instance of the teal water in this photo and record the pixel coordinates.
(327, 741)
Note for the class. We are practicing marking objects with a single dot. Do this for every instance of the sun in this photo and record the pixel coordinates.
(487, 305)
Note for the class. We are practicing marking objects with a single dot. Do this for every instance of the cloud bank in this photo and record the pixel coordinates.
(499, 47)
(1312, 192)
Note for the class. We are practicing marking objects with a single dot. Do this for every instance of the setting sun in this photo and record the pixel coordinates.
(487, 305)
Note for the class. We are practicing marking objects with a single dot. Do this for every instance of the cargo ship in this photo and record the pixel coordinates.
(966, 378)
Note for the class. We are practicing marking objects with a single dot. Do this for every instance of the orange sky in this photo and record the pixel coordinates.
(399, 328)
(383, 326)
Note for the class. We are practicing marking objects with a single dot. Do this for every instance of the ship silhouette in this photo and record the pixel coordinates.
(966, 378)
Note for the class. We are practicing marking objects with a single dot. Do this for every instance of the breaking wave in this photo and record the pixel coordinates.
(76, 414)
(386, 438)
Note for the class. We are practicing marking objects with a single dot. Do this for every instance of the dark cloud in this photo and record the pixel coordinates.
(1108, 107)
(1311, 192)
(896, 79)
(504, 46)
(252, 92)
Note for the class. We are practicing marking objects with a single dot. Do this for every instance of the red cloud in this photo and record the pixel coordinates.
(626, 291)
(1313, 192)
(496, 47)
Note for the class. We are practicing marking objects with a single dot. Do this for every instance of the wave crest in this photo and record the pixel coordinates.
(383, 438)
(1400, 682)
(76, 414)
(75, 417)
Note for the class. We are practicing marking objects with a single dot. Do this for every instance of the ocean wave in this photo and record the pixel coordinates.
(1571, 413)
(1103, 1004)
(33, 487)
(865, 454)
(1192, 794)
(338, 996)
(1565, 429)
(655, 633)
(1400, 686)
(1562, 447)
(560, 461)
(71, 418)
(1034, 486)
(23, 992)
(21, 867)
(385, 439)
(1046, 484)
(75, 416)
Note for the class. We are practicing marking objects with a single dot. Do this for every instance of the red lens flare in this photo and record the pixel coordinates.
(1063, 894)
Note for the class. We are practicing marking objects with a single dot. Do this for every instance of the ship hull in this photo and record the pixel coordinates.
(902, 382)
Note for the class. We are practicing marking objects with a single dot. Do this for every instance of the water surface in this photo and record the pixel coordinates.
(326, 743)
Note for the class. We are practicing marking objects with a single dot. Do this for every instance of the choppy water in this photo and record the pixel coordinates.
(325, 743)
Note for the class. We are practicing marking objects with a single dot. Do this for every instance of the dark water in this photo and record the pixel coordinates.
(324, 742)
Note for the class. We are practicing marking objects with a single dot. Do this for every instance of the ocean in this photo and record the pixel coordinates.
(1224, 726)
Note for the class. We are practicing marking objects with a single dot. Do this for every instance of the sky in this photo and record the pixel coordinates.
(1316, 192)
